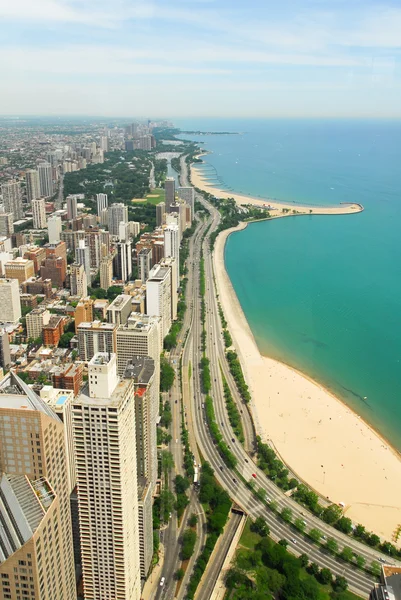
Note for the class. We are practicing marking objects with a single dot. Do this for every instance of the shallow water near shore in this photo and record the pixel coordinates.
(321, 293)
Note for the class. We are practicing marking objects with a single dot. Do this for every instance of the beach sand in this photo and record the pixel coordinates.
(326, 444)
(275, 206)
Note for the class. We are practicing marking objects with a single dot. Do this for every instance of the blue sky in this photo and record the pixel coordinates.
(201, 58)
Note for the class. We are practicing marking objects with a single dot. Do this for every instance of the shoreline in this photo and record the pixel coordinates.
(324, 442)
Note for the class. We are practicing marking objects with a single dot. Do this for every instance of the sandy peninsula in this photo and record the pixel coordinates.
(326, 444)
(274, 206)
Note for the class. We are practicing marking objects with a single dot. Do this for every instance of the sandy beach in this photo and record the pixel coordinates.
(275, 207)
(324, 442)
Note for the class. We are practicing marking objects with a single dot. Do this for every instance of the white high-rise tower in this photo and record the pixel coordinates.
(45, 171)
(32, 184)
(39, 213)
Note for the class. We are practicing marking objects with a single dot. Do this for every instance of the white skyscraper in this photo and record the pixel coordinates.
(104, 436)
(54, 228)
(72, 207)
(39, 213)
(117, 212)
(104, 143)
(12, 199)
(45, 171)
(123, 261)
(102, 203)
(10, 306)
(82, 257)
(32, 184)
(172, 248)
(78, 281)
(158, 296)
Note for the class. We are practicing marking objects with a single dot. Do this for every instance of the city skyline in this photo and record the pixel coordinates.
(304, 59)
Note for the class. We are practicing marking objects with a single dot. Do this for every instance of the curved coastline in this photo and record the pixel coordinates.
(328, 445)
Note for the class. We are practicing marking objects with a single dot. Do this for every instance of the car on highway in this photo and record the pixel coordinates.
(254, 475)
(162, 580)
(233, 440)
(294, 541)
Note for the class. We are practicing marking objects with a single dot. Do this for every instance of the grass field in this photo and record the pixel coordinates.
(155, 197)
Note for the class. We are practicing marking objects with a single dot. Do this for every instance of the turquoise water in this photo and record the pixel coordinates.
(321, 293)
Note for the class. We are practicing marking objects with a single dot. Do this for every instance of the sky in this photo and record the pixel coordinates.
(184, 58)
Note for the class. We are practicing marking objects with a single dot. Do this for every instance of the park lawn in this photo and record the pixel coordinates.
(155, 197)
(249, 539)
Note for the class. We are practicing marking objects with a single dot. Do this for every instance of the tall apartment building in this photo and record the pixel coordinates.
(120, 309)
(55, 269)
(158, 296)
(160, 214)
(82, 257)
(169, 188)
(6, 223)
(134, 228)
(72, 207)
(172, 248)
(32, 185)
(144, 259)
(36, 542)
(102, 203)
(19, 268)
(188, 195)
(37, 255)
(39, 213)
(94, 337)
(104, 438)
(171, 263)
(5, 355)
(46, 186)
(116, 214)
(106, 272)
(54, 228)
(35, 320)
(12, 199)
(83, 312)
(123, 261)
(78, 281)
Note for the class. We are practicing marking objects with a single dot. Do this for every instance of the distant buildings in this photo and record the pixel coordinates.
(45, 171)
(160, 214)
(102, 203)
(35, 320)
(82, 257)
(72, 207)
(6, 224)
(54, 228)
(106, 272)
(78, 280)
(116, 214)
(83, 312)
(19, 268)
(172, 248)
(39, 213)
(188, 195)
(169, 188)
(5, 355)
(123, 261)
(54, 268)
(32, 185)
(12, 199)
(144, 259)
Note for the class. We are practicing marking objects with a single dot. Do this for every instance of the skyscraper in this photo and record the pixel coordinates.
(172, 248)
(82, 257)
(95, 337)
(54, 229)
(117, 212)
(46, 186)
(36, 539)
(106, 272)
(12, 199)
(104, 143)
(158, 296)
(72, 207)
(169, 188)
(188, 195)
(144, 259)
(39, 213)
(102, 203)
(104, 436)
(6, 224)
(32, 184)
(123, 261)
(160, 213)
(78, 280)
(5, 356)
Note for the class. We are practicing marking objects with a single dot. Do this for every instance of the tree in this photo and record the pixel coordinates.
(304, 560)
(360, 561)
(260, 526)
(331, 514)
(340, 584)
(167, 375)
(373, 540)
(286, 515)
(315, 535)
(313, 569)
(273, 505)
(359, 531)
(179, 574)
(347, 554)
(332, 546)
(193, 519)
(181, 484)
(283, 543)
(375, 568)
(344, 524)
(325, 576)
(167, 462)
(299, 524)
(188, 544)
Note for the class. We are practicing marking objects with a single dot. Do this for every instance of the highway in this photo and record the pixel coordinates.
(359, 581)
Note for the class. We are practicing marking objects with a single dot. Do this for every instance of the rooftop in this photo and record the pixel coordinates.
(140, 368)
(114, 401)
(97, 325)
(16, 394)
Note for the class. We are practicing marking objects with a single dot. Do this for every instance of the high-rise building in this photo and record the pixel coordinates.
(72, 207)
(55, 269)
(83, 312)
(39, 213)
(82, 257)
(35, 320)
(104, 437)
(5, 355)
(171, 263)
(158, 296)
(117, 212)
(120, 309)
(78, 281)
(123, 261)
(6, 223)
(104, 143)
(188, 195)
(102, 203)
(144, 259)
(95, 337)
(160, 214)
(36, 539)
(140, 336)
(32, 185)
(46, 186)
(54, 228)
(37, 254)
(172, 248)
(169, 188)
(19, 268)
(106, 272)
(12, 199)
